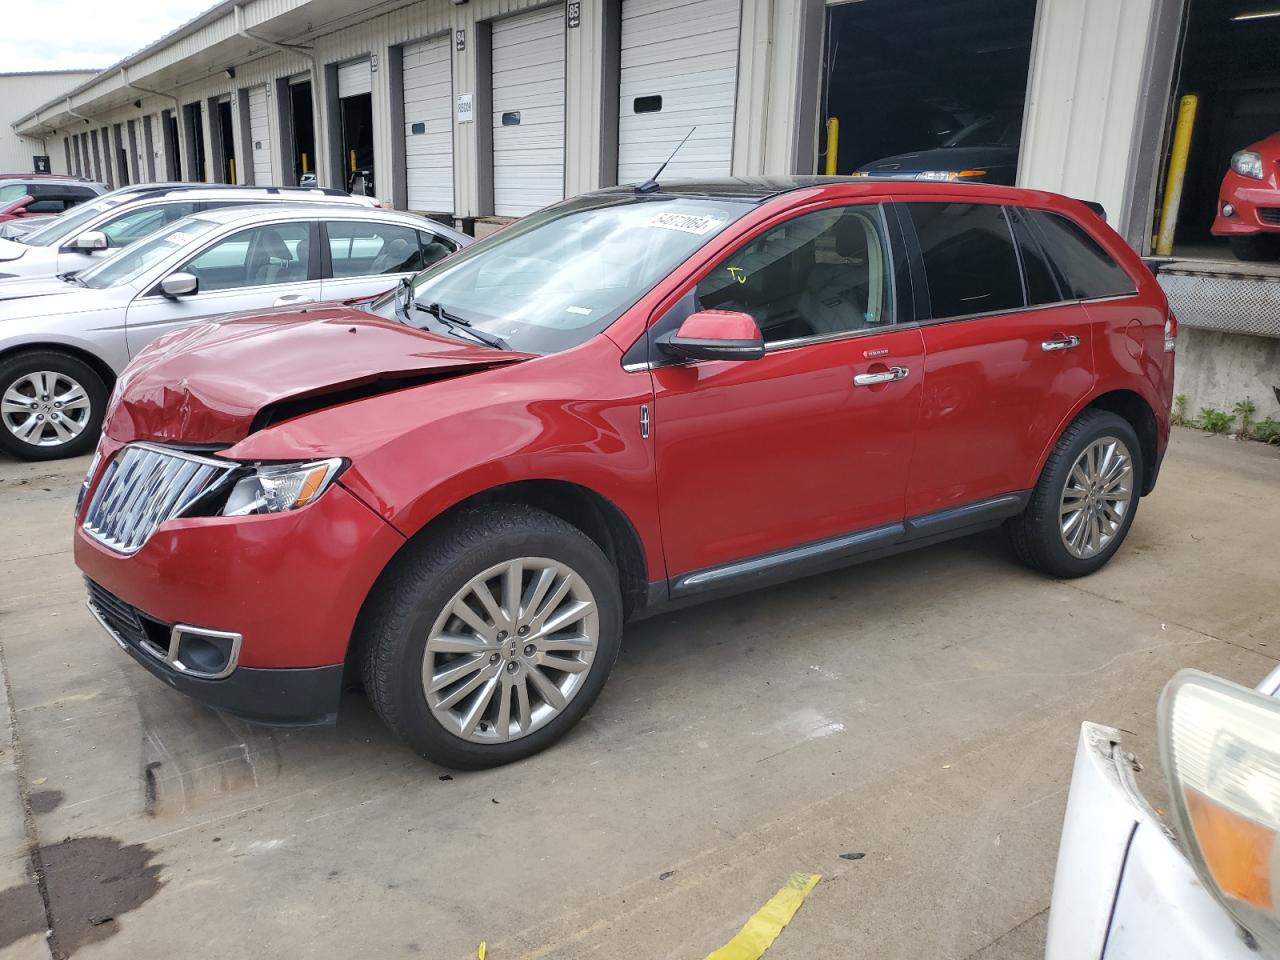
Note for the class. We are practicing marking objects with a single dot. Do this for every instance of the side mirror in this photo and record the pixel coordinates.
(715, 335)
(179, 285)
(89, 241)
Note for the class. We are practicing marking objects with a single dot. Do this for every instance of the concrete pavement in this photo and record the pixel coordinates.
(922, 710)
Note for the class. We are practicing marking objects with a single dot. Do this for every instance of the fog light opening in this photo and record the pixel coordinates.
(209, 654)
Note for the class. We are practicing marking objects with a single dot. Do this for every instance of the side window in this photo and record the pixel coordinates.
(1086, 269)
(359, 249)
(136, 224)
(817, 274)
(257, 256)
(969, 261)
(13, 191)
(434, 248)
(1042, 287)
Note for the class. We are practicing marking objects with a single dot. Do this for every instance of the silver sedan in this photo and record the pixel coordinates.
(63, 341)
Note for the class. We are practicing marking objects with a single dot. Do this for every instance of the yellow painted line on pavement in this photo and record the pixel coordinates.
(758, 934)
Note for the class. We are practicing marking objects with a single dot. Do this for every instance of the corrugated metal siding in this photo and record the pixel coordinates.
(1084, 97)
(428, 124)
(528, 86)
(260, 134)
(19, 95)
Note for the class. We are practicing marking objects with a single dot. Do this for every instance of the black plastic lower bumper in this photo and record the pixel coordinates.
(284, 697)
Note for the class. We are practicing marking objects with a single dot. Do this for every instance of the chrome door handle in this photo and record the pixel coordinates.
(1066, 343)
(293, 299)
(886, 376)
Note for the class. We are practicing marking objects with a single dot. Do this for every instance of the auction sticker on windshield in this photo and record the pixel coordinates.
(685, 222)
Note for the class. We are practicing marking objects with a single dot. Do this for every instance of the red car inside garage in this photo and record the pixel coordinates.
(1249, 202)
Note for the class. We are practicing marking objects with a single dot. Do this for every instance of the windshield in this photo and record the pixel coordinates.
(560, 276)
(1000, 130)
(127, 264)
(69, 222)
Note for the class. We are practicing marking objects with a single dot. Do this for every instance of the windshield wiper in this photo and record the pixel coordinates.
(456, 324)
(72, 276)
(405, 287)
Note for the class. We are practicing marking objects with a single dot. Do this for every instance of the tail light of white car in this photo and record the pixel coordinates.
(1220, 743)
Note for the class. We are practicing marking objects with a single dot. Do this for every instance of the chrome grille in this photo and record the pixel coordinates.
(144, 486)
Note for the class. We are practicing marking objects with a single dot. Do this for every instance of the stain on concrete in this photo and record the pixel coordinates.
(92, 882)
(21, 913)
(45, 801)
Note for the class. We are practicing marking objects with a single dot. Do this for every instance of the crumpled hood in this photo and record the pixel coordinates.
(19, 288)
(214, 383)
(11, 250)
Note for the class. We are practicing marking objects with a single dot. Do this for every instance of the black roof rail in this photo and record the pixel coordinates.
(1097, 208)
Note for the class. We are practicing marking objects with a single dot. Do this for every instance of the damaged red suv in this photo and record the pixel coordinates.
(459, 492)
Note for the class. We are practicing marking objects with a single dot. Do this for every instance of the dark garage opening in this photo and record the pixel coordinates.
(947, 77)
(357, 143)
(1230, 59)
(195, 142)
(226, 143)
(172, 155)
(304, 133)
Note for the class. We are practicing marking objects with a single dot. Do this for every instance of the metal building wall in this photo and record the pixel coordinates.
(1098, 87)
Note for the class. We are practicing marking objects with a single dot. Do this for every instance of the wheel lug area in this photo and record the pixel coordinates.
(523, 630)
(502, 635)
(512, 666)
(530, 649)
(493, 658)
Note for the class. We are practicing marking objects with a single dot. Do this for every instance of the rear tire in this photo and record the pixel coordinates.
(1084, 503)
(51, 405)
(1256, 249)
(462, 664)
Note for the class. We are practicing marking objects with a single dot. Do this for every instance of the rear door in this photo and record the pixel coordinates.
(365, 258)
(1008, 355)
(810, 443)
(250, 269)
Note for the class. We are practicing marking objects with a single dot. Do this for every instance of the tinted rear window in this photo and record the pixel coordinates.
(1086, 270)
(969, 260)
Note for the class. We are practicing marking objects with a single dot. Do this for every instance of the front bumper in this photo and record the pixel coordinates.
(279, 696)
(1123, 889)
(1253, 201)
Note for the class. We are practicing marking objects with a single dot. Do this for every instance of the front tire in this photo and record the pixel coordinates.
(1084, 503)
(490, 637)
(51, 405)
(1258, 248)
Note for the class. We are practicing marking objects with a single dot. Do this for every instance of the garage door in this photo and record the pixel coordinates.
(355, 78)
(260, 135)
(679, 69)
(428, 125)
(528, 112)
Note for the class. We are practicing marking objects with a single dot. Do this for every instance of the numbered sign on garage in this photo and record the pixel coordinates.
(528, 111)
(428, 125)
(679, 69)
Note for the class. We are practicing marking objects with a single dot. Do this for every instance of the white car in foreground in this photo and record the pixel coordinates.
(1130, 888)
(64, 340)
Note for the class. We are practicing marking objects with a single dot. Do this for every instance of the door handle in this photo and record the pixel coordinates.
(885, 376)
(292, 299)
(1066, 343)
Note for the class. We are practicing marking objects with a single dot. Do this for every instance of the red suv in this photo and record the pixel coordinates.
(460, 491)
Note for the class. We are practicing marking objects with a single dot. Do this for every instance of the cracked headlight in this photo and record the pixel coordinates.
(1247, 164)
(280, 487)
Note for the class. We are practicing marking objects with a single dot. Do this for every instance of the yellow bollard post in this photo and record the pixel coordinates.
(231, 165)
(1177, 173)
(833, 145)
(304, 164)
(353, 162)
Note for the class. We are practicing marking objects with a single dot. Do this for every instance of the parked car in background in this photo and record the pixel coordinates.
(1248, 212)
(49, 194)
(83, 236)
(633, 398)
(984, 151)
(64, 340)
(1130, 887)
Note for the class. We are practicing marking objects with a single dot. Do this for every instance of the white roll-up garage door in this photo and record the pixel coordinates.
(260, 135)
(528, 111)
(354, 78)
(428, 125)
(679, 69)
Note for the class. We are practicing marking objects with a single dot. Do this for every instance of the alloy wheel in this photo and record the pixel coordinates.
(1096, 498)
(45, 408)
(510, 650)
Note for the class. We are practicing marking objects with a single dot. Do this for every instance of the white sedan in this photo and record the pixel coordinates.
(63, 341)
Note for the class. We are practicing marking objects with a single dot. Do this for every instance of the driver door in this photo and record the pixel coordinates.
(805, 446)
(251, 269)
